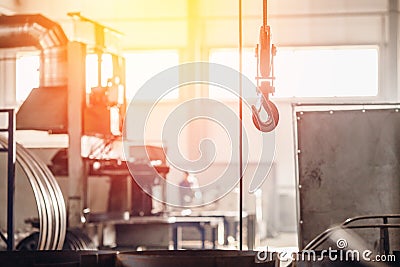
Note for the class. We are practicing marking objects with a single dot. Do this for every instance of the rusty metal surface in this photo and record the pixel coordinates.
(348, 165)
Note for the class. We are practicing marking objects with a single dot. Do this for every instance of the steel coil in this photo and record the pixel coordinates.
(48, 197)
(75, 239)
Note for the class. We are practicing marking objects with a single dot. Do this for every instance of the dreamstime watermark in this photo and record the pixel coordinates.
(142, 116)
(341, 253)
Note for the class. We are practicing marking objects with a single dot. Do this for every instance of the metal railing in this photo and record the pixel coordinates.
(11, 157)
(349, 224)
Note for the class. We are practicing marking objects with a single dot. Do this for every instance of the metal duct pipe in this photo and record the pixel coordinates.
(53, 67)
(44, 34)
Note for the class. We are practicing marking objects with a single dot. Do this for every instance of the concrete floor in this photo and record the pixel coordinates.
(282, 240)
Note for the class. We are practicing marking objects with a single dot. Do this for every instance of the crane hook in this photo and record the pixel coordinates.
(272, 112)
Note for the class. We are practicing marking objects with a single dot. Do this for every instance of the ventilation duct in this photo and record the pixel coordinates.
(44, 34)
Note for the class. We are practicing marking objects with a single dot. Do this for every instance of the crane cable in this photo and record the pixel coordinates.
(240, 128)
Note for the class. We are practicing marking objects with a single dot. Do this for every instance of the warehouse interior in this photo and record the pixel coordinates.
(181, 132)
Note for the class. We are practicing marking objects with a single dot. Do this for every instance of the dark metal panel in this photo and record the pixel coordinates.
(45, 109)
(148, 234)
(348, 165)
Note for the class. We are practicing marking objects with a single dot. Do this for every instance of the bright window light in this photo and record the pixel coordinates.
(326, 72)
(142, 65)
(309, 72)
(106, 69)
(230, 58)
(27, 74)
(91, 70)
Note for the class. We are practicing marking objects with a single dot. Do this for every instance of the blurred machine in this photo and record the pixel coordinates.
(92, 117)
(112, 163)
(46, 108)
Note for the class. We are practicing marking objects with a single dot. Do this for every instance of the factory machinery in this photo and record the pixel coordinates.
(61, 106)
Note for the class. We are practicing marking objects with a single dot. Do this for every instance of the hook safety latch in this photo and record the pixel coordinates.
(270, 108)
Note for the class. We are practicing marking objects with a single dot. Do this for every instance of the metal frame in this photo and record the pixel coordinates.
(216, 224)
(11, 157)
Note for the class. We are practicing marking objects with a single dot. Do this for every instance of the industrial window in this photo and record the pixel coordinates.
(27, 74)
(230, 58)
(309, 72)
(326, 72)
(142, 65)
(28, 65)
(91, 70)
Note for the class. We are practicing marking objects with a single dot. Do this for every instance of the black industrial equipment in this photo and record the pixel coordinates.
(149, 163)
(142, 202)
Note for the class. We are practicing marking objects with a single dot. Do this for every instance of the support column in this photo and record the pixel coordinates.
(76, 103)
(194, 52)
(8, 76)
(391, 88)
